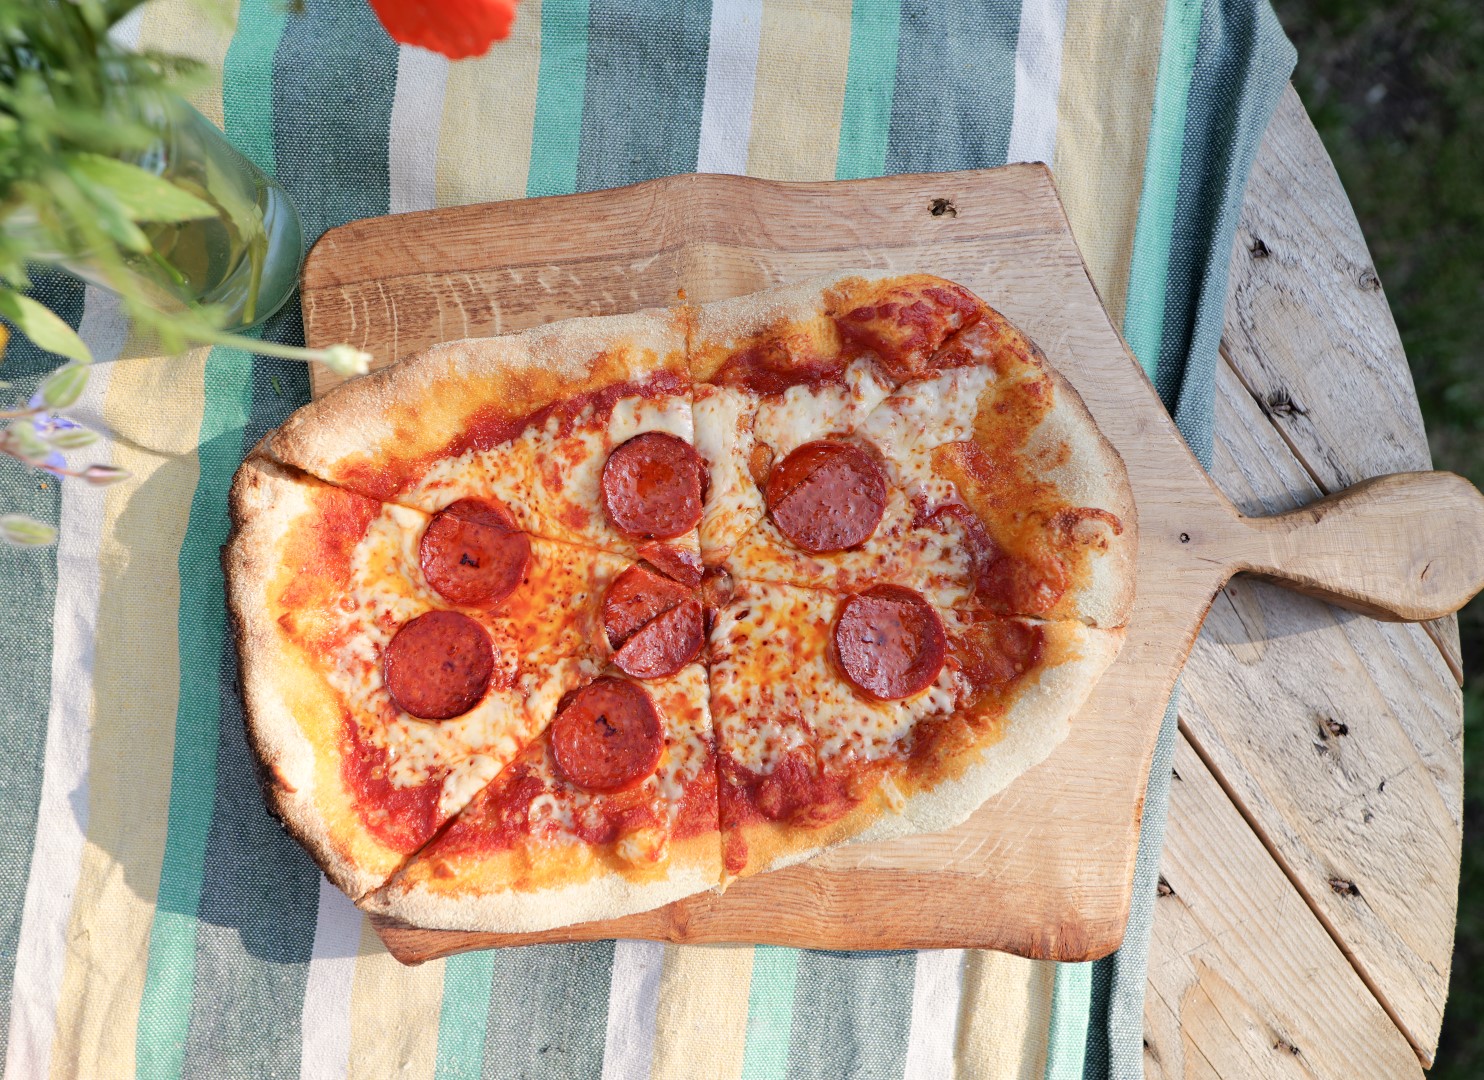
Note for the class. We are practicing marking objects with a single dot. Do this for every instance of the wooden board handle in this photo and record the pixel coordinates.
(1405, 547)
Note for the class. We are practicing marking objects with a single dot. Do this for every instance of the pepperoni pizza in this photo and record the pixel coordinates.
(575, 622)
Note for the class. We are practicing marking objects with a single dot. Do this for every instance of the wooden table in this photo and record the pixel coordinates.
(1309, 880)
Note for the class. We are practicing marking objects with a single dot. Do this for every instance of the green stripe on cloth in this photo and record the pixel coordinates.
(1143, 319)
(163, 1023)
(955, 90)
(28, 577)
(464, 1015)
(1230, 101)
(828, 1041)
(1066, 1039)
(260, 896)
(165, 1007)
(646, 75)
(770, 1011)
(865, 119)
(1240, 63)
(557, 130)
(548, 1011)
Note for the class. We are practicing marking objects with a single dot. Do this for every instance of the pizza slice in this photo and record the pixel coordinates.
(875, 714)
(583, 429)
(983, 481)
(780, 368)
(611, 811)
(393, 662)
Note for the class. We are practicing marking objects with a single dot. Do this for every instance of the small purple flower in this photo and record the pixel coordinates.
(50, 425)
(54, 463)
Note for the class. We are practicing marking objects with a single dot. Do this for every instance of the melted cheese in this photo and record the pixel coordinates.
(804, 413)
(731, 424)
(559, 811)
(920, 417)
(725, 440)
(551, 478)
(934, 560)
(774, 686)
(547, 640)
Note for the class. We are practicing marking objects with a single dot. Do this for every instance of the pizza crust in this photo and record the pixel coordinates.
(408, 410)
(485, 897)
(1035, 723)
(279, 686)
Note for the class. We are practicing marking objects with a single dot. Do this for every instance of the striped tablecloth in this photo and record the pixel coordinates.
(153, 920)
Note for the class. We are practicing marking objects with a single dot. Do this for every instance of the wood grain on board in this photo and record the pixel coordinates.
(1337, 739)
(1043, 869)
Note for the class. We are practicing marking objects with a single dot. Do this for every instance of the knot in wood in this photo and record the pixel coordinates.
(1281, 403)
(1343, 887)
(940, 207)
(1259, 249)
(1163, 888)
(1369, 281)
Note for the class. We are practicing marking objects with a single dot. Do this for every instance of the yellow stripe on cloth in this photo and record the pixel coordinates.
(797, 98)
(489, 108)
(154, 407)
(393, 1014)
(1102, 131)
(200, 31)
(1004, 1017)
(699, 1029)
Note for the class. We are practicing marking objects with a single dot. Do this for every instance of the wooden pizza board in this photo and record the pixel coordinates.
(1045, 868)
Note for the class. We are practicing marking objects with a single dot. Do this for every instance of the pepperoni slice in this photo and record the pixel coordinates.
(652, 487)
(438, 665)
(665, 644)
(684, 566)
(473, 554)
(889, 642)
(827, 496)
(635, 597)
(608, 736)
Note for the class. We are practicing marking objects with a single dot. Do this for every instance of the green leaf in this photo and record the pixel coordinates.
(142, 195)
(72, 438)
(44, 328)
(22, 531)
(22, 433)
(64, 386)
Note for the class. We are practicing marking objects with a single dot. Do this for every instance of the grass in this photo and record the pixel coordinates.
(1397, 92)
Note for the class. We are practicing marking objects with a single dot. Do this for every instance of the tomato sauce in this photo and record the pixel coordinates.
(488, 427)
(402, 818)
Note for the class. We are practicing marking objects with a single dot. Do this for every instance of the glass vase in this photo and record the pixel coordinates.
(244, 261)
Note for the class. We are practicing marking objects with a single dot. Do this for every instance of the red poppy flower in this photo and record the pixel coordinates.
(455, 28)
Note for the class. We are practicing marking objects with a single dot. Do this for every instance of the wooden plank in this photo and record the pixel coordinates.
(1244, 983)
(1340, 737)
(1308, 329)
(1334, 677)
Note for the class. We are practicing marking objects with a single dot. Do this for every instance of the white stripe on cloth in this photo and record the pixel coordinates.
(417, 116)
(1037, 80)
(633, 999)
(936, 988)
(325, 1023)
(731, 72)
(62, 813)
